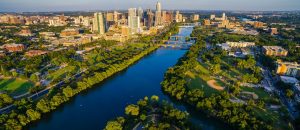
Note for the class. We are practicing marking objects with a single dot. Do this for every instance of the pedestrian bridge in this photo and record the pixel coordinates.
(189, 25)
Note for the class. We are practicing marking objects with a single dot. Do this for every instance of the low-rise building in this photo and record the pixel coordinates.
(206, 22)
(274, 51)
(14, 47)
(33, 53)
(289, 80)
(24, 32)
(288, 68)
(69, 32)
(296, 88)
(240, 44)
(47, 35)
(258, 24)
(2, 54)
(273, 31)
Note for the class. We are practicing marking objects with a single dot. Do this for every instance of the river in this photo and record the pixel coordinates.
(91, 109)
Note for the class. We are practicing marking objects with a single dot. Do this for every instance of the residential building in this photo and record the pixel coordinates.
(69, 32)
(195, 17)
(240, 44)
(14, 47)
(24, 32)
(206, 22)
(288, 68)
(274, 51)
(57, 21)
(33, 53)
(273, 31)
(258, 24)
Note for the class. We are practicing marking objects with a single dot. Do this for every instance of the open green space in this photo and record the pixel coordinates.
(262, 94)
(272, 116)
(14, 86)
(197, 79)
(61, 73)
(198, 83)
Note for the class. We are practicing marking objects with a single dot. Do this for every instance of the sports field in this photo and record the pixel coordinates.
(15, 87)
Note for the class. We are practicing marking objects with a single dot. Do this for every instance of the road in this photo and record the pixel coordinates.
(269, 82)
(42, 92)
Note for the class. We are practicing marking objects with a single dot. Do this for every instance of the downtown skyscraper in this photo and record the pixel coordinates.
(133, 20)
(158, 14)
(99, 23)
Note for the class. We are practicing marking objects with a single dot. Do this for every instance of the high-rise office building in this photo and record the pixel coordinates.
(116, 16)
(98, 23)
(149, 18)
(164, 16)
(212, 17)
(195, 17)
(158, 7)
(178, 17)
(140, 12)
(158, 18)
(169, 17)
(132, 12)
(110, 17)
(134, 23)
(133, 20)
(224, 16)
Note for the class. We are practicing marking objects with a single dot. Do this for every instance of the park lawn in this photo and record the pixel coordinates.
(61, 72)
(197, 79)
(262, 94)
(198, 83)
(201, 69)
(14, 86)
(138, 45)
(269, 115)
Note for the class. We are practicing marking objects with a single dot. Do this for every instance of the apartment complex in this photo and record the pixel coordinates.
(274, 51)
(14, 47)
(240, 44)
(288, 68)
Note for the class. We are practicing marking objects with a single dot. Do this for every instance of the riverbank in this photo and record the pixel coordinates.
(57, 97)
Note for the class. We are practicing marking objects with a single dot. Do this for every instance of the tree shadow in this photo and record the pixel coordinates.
(23, 88)
(4, 84)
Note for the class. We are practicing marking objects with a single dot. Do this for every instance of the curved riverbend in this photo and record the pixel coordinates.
(93, 108)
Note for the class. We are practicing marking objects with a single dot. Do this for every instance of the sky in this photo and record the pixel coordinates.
(90, 5)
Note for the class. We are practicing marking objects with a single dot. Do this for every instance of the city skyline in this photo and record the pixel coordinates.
(91, 5)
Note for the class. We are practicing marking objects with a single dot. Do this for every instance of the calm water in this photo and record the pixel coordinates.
(93, 108)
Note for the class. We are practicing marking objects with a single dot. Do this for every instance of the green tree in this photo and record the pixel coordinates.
(33, 115)
(216, 68)
(43, 106)
(5, 100)
(23, 119)
(113, 125)
(132, 110)
(289, 93)
(68, 92)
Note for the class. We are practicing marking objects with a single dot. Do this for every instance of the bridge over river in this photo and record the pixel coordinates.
(182, 40)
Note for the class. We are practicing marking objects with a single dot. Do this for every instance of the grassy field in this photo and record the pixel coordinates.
(272, 116)
(197, 79)
(61, 72)
(15, 87)
(262, 95)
